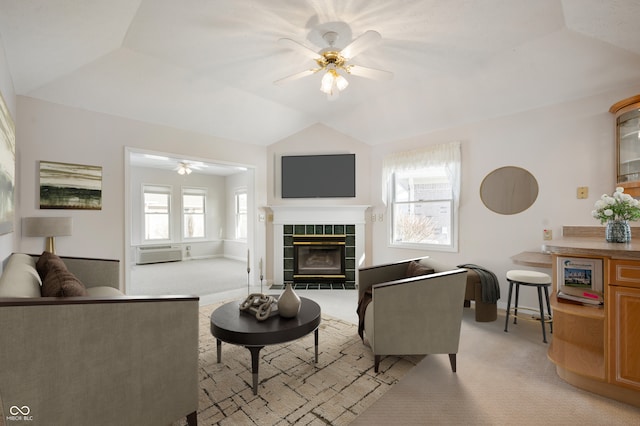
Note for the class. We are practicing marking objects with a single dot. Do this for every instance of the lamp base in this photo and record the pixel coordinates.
(50, 245)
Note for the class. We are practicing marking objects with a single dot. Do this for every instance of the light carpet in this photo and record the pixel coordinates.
(292, 388)
(502, 379)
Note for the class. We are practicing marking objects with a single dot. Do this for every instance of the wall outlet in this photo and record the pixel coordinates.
(547, 234)
(583, 192)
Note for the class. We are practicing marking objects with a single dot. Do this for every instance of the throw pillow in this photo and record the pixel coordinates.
(415, 269)
(59, 282)
(42, 265)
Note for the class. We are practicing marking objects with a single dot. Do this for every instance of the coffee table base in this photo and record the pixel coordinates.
(255, 358)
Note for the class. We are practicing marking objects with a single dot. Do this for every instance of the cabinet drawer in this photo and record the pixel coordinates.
(625, 272)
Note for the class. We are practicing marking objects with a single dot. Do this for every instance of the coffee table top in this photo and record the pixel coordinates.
(231, 325)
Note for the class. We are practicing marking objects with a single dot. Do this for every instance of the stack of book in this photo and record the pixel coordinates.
(580, 295)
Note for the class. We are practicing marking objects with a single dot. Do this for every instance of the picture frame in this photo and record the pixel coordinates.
(70, 186)
(7, 168)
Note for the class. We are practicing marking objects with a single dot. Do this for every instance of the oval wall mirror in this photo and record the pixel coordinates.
(509, 190)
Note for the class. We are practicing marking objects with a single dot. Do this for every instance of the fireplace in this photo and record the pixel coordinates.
(319, 258)
(325, 220)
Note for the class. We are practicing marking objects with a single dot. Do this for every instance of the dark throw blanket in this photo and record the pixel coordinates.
(488, 282)
(362, 306)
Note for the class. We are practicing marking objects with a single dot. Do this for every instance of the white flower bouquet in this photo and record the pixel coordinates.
(618, 206)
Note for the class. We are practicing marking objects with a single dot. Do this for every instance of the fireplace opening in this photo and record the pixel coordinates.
(319, 258)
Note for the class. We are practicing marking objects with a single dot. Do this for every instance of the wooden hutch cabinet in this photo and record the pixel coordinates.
(627, 113)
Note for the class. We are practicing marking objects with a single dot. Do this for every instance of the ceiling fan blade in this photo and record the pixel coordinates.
(367, 72)
(360, 44)
(298, 47)
(296, 76)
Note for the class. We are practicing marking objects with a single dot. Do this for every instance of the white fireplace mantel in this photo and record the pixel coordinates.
(317, 215)
(333, 214)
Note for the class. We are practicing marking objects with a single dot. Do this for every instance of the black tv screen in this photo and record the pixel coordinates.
(319, 176)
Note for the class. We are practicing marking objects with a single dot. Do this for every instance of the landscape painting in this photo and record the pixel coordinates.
(7, 168)
(70, 186)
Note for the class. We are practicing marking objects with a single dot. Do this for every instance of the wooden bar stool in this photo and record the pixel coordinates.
(539, 280)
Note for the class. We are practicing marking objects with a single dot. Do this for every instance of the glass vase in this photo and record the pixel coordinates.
(618, 231)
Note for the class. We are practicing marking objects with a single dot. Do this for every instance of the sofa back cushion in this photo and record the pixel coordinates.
(19, 277)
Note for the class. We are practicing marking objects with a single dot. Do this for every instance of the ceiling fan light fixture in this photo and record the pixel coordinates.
(341, 82)
(184, 169)
(331, 80)
(327, 82)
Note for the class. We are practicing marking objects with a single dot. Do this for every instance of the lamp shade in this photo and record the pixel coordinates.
(46, 226)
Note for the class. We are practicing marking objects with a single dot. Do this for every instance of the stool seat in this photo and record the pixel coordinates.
(536, 279)
(528, 277)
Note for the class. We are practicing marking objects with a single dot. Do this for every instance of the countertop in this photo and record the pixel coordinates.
(594, 246)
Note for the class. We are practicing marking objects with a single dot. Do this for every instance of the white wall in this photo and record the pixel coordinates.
(563, 146)
(53, 132)
(8, 241)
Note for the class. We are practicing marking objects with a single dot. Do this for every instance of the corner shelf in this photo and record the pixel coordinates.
(578, 343)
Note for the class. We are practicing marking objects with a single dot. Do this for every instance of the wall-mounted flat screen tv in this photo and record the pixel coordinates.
(319, 176)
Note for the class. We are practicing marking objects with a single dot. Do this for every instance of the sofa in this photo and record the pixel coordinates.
(75, 350)
(485, 311)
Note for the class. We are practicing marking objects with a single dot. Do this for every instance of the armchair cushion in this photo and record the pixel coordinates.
(415, 269)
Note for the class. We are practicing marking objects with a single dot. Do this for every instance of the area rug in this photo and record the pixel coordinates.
(292, 388)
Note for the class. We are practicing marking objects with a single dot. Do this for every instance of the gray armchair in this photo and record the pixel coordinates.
(413, 316)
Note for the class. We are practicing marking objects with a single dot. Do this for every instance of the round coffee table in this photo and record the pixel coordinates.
(230, 325)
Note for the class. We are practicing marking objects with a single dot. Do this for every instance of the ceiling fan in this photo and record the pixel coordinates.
(186, 168)
(335, 62)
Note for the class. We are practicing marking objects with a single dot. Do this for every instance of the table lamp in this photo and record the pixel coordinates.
(49, 227)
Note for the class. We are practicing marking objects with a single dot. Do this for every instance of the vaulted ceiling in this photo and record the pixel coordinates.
(209, 65)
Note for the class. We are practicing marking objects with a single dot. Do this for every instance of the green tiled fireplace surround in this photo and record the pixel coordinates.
(350, 252)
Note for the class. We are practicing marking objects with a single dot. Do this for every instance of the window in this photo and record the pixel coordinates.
(423, 189)
(156, 212)
(241, 214)
(193, 212)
